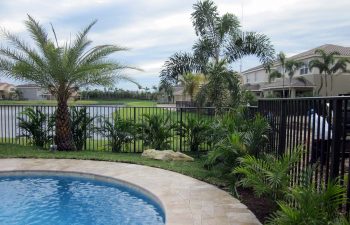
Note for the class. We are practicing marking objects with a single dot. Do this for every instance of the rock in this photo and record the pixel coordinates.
(166, 155)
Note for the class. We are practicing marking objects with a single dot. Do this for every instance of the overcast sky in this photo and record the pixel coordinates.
(155, 29)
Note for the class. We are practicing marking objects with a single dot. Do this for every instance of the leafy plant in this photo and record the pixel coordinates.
(194, 131)
(225, 154)
(60, 67)
(307, 205)
(156, 131)
(119, 132)
(82, 126)
(256, 136)
(36, 126)
(267, 175)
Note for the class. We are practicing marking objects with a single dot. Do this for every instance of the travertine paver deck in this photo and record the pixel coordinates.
(186, 201)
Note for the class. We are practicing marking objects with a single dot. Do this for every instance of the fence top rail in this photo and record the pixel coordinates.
(307, 98)
(111, 106)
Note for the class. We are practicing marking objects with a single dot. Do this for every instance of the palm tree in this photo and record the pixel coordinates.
(220, 40)
(328, 65)
(275, 74)
(220, 37)
(281, 57)
(291, 67)
(191, 83)
(62, 69)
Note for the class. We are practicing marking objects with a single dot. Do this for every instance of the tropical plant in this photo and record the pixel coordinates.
(256, 137)
(281, 57)
(328, 65)
(291, 67)
(191, 83)
(36, 126)
(62, 69)
(267, 175)
(156, 131)
(82, 126)
(226, 152)
(118, 132)
(194, 131)
(275, 74)
(222, 88)
(307, 205)
(221, 41)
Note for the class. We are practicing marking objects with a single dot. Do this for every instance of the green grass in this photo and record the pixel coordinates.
(127, 102)
(194, 169)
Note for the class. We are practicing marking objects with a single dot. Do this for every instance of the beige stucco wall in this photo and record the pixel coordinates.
(341, 84)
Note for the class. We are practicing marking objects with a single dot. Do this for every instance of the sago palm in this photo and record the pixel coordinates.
(328, 65)
(61, 69)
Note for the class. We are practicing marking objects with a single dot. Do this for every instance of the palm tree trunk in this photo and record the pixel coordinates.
(64, 137)
(326, 83)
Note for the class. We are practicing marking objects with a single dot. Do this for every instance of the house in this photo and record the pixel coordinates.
(179, 95)
(7, 91)
(33, 92)
(306, 81)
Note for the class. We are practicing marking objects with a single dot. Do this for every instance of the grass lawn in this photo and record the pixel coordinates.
(127, 102)
(193, 169)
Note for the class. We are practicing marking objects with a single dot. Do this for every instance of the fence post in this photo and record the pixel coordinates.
(335, 149)
(134, 134)
(181, 130)
(282, 130)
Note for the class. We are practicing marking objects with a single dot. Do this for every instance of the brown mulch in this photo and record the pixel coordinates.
(262, 207)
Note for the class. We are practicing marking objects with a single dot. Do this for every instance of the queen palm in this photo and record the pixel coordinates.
(328, 66)
(291, 67)
(62, 69)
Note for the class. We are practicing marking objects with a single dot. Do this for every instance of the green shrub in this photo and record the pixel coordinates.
(118, 132)
(306, 205)
(267, 175)
(225, 154)
(36, 126)
(156, 131)
(256, 136)
(82, 126)
(194, 131)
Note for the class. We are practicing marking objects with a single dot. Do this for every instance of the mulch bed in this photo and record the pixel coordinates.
(261, 207)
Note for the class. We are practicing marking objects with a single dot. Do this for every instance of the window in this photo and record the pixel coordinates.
(304, 69)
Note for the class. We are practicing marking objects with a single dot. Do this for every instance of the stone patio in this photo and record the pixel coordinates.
(186, 201)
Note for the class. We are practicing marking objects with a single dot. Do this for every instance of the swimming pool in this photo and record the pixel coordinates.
(48, 198)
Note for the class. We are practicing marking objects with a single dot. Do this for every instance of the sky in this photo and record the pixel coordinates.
(155, 29)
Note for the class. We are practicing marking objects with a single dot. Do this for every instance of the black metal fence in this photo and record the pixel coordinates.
(321, 126)
(11, 114)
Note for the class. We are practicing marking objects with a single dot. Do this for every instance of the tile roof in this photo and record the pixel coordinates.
(5, 86)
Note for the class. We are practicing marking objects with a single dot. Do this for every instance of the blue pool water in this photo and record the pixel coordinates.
(51, 199)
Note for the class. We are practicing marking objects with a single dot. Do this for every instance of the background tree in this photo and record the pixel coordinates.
(281, 57)
(220, 40)
(191, 83)
(291, 67)
(62, 69)
(275, 74)
(328, 65)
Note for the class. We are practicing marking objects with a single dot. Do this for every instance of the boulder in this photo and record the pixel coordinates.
(166, 155)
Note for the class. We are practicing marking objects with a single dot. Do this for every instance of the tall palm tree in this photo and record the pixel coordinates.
(281, 57)
(62, 69)
(191, 83)
(220, 37)
(328, 66)
(220, 41)
(291, 67)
